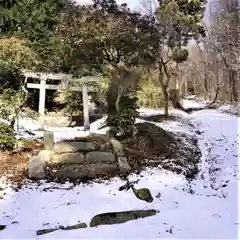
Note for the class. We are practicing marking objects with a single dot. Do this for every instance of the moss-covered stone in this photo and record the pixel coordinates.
(73, 227)
(2, 227)
(120, 217)
(45, 231)
(143, 194)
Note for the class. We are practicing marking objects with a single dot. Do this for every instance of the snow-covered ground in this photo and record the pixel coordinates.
(205, 208)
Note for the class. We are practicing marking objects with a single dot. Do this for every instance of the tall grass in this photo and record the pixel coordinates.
(150, 94)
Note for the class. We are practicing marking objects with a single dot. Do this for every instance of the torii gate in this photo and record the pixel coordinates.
(64, 85)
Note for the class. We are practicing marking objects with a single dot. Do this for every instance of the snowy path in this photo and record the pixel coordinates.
(205, 208)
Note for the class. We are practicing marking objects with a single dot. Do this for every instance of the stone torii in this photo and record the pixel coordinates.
(65, 79)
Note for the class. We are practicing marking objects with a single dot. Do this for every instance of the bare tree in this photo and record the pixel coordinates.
(224, 38)
(214, 62)
(148, 7)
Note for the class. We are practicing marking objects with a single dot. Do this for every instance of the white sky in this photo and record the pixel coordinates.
(135, 4)
(131, 3)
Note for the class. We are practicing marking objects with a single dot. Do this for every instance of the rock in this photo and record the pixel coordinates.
(37, 165)
(158, 195)
(72, 172)
(106, 147)
(36, 168)
(77, 226)
(100, 157)
(77, 171)
(45, 231)
(68, 158)
(2, 227)
(123, 165)
(73, 146)
(198, 132)
(46, 155)
(117, 147)
(102, 169)
(143, 194)
(120, 217)
(135, 152)
(97, 139)
(93, 137)
(48, 139)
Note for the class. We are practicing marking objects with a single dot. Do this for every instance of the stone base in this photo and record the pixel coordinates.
(84, 158)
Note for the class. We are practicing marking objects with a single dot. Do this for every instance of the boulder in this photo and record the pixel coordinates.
(100, 157)
(36, 168)
(77, 171)
(105, 147)
(37, 165)
(117, 147)
(73, 146)
(123, 165)
(120, 217)
(68, 158)
(46, 155)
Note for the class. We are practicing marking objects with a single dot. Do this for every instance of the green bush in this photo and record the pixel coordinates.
(123, 123)
(7, 138)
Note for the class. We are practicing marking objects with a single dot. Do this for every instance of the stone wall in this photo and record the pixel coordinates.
(82, 158)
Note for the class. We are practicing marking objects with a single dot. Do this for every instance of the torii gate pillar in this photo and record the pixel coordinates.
(42, 99)
(85, 107)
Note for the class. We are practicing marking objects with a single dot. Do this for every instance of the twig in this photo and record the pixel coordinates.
(68, 203)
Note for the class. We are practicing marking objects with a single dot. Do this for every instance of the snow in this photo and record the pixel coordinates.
(193, 103)
(205, 208)
(228, 108)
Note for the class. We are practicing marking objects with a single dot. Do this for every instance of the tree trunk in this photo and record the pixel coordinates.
(174, 98)
(165, 96)
(177, 76)
(15, 116)
(164, 88)
(232, 81)
(194, 86)
(71, 118)
(13, 122)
